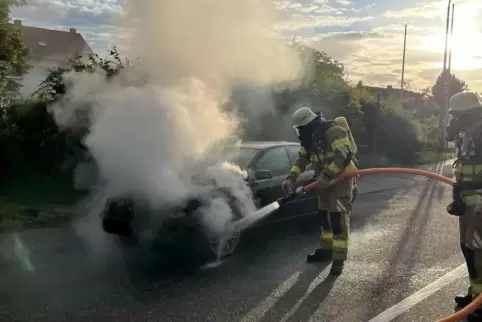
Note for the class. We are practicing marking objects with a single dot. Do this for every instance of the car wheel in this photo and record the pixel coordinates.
(223, 246)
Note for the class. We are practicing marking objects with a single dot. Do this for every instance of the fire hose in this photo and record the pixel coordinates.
(345, 174)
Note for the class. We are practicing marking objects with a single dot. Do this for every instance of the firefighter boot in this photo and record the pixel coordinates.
(464, 300)
(337, 267)
(320, 255)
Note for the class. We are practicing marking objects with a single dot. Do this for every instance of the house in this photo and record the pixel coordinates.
(390, 91)
(49, 48)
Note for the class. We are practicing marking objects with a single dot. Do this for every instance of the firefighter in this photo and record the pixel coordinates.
(466, 112)
(325, 145)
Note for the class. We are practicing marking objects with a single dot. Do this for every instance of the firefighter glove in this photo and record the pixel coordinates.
(456, 208)
(287, 186)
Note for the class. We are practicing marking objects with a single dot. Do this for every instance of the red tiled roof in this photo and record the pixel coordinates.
(53, 44)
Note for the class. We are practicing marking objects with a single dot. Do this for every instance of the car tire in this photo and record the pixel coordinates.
(224, 246)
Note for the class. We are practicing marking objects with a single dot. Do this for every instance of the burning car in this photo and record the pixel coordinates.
(181, 231)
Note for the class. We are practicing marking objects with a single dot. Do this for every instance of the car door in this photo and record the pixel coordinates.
(277, 161)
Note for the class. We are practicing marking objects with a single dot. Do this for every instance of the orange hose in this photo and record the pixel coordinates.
(477, 302)
(457, 316)
(428, 174)
(420, 172)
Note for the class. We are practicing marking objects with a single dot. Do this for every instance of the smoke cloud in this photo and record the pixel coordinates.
(156, 140)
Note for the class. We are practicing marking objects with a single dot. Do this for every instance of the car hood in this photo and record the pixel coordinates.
(219, 173)
(204, 183)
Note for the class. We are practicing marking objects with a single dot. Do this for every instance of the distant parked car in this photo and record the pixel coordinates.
(267, 164)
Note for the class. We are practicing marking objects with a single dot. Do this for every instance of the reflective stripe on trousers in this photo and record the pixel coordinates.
(471, 200)
(335, 231)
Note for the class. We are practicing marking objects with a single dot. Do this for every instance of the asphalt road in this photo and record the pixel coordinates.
(402, 241)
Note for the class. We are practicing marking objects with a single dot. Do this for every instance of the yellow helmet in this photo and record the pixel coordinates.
(464, 101)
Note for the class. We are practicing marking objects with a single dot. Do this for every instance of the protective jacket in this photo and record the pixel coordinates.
(327, 154)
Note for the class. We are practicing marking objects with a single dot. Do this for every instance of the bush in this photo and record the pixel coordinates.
(31, 141)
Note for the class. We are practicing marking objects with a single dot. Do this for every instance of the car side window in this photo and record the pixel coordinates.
(275, 160)
(294, 152)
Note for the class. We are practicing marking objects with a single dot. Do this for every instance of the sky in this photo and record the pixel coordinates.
(365, 35)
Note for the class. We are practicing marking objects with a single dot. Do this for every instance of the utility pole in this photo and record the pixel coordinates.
(444, 109)
(447, 23)
(448, 89)
(377, 113)
(451, 37)
(403, 63)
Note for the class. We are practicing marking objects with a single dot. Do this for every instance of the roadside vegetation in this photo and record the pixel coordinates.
(37, 159)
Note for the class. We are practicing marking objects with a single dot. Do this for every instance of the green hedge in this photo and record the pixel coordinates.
(32, 142)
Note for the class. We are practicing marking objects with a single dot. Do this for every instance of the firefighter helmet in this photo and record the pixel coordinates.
(303, 116)
(464, 101)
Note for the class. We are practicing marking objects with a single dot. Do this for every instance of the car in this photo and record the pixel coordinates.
(266, 165)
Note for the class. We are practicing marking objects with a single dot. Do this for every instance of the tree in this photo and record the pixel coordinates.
(407, 84)
(319, 67)
(455, 86)
(31, 139)
(13, 51)
(53, 86)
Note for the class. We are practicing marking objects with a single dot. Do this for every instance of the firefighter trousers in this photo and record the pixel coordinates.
(335, 230)
(470, 225)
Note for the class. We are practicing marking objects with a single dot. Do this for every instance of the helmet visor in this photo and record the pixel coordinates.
(297, 130)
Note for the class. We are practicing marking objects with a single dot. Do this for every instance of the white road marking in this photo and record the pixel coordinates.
(259, 311)
(403, 306)
(314, 284)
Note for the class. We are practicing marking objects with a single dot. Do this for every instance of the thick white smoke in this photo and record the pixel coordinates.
(147, 140)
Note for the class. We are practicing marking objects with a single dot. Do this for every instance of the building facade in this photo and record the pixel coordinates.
(49, 49)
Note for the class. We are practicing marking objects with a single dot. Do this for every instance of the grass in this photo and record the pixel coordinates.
(433, 156)
(36, 201)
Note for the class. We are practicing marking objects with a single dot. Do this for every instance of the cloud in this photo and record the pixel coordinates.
(374, 55)
(344, 2)
(427, 10)
(366, 35)
(303, 21)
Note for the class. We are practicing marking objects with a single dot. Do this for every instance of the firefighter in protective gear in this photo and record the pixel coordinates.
(325, 145)
(466, 112)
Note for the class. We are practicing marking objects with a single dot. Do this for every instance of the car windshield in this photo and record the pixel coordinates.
(240, 156)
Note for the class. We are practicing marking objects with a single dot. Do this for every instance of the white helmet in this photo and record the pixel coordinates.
(302, 117)
(464, 101)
